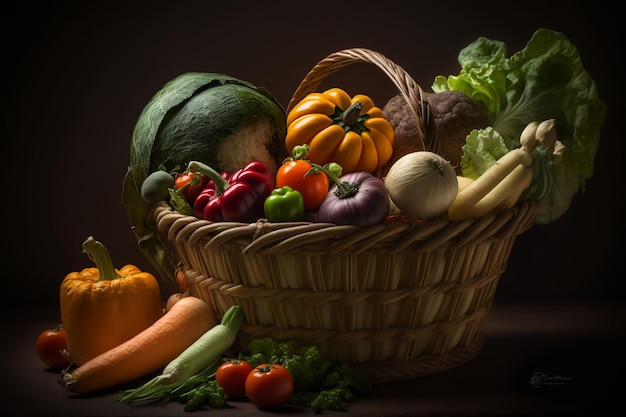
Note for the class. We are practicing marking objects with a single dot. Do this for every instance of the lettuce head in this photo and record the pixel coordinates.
(545, 80)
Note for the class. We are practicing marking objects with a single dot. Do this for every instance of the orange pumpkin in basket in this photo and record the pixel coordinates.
(337, 128)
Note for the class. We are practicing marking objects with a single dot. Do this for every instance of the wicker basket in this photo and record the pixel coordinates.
(399, 299)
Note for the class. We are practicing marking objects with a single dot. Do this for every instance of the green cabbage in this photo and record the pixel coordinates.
(214, 118)
(545, 80)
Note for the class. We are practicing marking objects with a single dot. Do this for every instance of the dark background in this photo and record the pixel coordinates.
(77, 75)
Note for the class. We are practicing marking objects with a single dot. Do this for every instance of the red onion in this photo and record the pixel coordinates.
(359, 198)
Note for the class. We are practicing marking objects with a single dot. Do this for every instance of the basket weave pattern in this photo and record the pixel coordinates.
(415, 295)
(400, 299)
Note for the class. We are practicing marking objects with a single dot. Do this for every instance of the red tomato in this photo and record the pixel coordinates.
(196, 183)
(49, 345)
(269, 386)
(312, 185)
(231, 376)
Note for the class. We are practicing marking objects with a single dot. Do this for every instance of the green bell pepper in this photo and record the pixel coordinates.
(284, 204)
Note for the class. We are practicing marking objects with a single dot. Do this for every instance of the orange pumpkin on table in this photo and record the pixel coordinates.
(102, 307)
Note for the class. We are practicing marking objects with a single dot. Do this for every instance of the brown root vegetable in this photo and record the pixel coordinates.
(453, 115)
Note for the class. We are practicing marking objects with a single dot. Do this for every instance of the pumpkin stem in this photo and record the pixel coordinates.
(99, 254)
(351, 115)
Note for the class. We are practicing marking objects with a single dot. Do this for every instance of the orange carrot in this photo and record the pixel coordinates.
(146, 352)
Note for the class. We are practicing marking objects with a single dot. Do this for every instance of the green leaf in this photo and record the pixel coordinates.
(544, 80)
(483, 147)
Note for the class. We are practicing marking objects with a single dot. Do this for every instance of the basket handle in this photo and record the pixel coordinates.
(409, 89)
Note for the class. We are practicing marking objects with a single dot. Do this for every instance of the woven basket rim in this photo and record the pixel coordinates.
(299, 237)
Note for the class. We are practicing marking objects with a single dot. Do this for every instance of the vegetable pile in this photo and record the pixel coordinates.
(352, 163)
(184, 342)
(348, 162)
(504, 130)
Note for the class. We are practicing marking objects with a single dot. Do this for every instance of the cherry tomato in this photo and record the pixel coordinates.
(298, 175)
(269, 386)
(196, 183)
(231, 376)
(49, 345)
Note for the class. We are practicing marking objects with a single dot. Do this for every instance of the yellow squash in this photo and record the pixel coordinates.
(349, 131)
(103, 307)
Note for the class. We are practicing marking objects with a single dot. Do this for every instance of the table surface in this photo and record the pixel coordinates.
(578, 351)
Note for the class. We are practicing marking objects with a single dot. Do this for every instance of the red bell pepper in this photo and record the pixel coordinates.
(238, 197)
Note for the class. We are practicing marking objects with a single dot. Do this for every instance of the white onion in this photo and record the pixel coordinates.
(422, 185)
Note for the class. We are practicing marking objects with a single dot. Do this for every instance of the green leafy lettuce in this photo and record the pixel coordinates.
(545, 80)
(483, 147)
